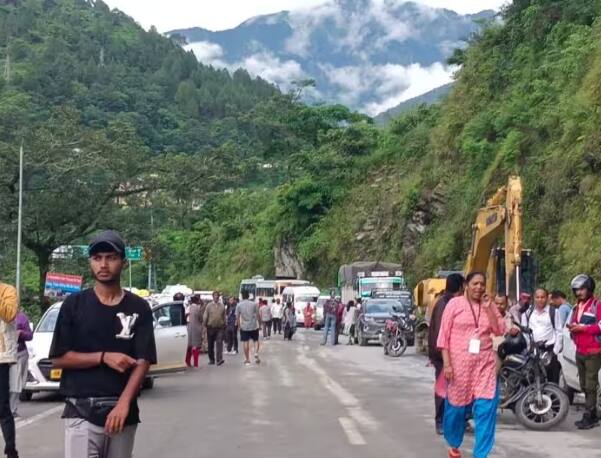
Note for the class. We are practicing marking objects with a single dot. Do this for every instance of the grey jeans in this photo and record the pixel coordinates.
(85, 440)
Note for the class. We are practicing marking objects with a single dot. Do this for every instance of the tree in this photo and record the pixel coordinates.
(73, 177)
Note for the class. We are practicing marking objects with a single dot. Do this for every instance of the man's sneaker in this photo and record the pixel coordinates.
(588, 421)
(220, 362)
(247, 363)
(257, 359)
(211, 363)
(439, 430)
(577, 423)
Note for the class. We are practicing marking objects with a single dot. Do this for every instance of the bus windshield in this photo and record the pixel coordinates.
(368, 285)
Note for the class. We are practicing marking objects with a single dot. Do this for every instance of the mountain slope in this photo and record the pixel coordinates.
(526, 101)
(433, 96)
(365, 54)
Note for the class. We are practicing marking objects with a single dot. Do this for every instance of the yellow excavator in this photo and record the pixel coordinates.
(510, 269)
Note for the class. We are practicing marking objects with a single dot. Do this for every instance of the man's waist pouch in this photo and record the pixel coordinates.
(94, 410)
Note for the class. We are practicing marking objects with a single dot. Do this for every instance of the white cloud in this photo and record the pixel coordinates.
(205, 51)
(393, 83)
(224, 14)
(273, 69)
(263, 64)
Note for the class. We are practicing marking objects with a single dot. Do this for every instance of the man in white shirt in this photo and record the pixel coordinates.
(277, 313)
(546, 327)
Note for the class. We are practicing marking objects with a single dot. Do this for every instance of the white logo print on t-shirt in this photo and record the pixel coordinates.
(127, 323)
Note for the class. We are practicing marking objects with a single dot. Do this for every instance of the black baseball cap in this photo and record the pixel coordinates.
(106, 242)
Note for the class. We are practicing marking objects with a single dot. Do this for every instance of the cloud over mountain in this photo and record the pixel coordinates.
(368, 54)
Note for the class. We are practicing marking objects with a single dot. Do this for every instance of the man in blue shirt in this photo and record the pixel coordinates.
(564, 308)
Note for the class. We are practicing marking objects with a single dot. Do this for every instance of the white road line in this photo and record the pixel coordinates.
(352, 433)
(38, 417)
(362, 417)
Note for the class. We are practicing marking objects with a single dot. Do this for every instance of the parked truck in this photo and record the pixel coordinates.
(360, 279)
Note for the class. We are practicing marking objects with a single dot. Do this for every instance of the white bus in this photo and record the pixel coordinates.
(250, 285)
(265, 289)
(300, 296)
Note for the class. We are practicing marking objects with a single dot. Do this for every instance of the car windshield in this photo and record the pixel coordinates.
(48, 321)
(386, 306)
(306, 299)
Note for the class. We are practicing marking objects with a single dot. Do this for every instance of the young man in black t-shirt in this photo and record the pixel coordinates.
(104, 342)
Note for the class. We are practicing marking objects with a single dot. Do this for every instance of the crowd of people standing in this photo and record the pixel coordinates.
(468, 328)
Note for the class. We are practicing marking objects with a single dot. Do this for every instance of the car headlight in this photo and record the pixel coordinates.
(370, 319)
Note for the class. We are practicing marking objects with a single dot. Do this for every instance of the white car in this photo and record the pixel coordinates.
(569, 380)
(170, 333)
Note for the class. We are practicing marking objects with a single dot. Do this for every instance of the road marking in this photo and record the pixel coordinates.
(352, 433)
(38, 417)
(362, 417)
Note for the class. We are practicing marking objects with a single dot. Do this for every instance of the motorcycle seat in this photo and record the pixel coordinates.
(515, 360)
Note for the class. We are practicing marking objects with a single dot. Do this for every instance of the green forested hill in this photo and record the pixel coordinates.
(121, 126)
(526, 101)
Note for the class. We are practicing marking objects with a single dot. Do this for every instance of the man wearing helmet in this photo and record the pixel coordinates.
(585, 329)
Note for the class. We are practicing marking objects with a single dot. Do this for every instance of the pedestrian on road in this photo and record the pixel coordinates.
(248, 319)
(18, 371)
(330, 308)
(231, 331)
(586, 333)
(516, 311)
(8, 356)
(289, 321)
(104, 343)
(308, 316)
(469, 365)
(205, 338)
(544, 322)
(277, 313)
(340, 308)
(350, 318)
(453, 288)
(194, 331)
(214, 318)
(265, 312)
(564, 308)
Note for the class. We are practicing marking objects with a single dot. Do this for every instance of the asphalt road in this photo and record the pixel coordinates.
(304, 400)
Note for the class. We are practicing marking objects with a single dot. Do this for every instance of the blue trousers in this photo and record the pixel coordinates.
(485, 419)
(329, 326)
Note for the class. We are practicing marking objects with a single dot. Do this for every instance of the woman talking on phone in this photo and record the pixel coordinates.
(465, 339)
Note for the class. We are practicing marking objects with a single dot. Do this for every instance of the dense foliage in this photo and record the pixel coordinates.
(122, 127)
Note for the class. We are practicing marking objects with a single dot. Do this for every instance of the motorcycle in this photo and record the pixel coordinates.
(394, 338)
(537, 403)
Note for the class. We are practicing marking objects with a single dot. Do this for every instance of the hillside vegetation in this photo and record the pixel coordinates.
(122, 127)
(526, 101)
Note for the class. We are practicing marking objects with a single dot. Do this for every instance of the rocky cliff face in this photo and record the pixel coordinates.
(287, 262)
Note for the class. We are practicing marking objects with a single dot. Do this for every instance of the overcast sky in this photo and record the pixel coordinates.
(224, 14)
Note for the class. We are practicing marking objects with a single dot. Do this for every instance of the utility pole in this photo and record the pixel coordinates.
(151, 252)
(19, 222)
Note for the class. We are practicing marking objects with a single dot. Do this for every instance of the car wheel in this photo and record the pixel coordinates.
(26, 396)
(362, 340)
(148, 383)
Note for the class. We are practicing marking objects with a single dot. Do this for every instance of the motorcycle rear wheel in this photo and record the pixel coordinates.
(396, 346)
(552, 411)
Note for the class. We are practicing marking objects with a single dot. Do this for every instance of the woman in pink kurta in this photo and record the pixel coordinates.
(465, 340)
